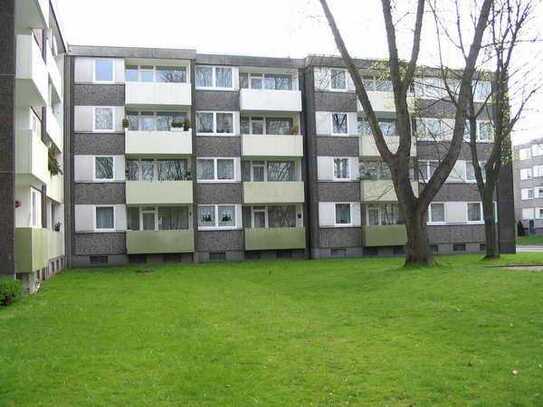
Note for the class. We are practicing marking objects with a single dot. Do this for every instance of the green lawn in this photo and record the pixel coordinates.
(530, 240)
(284, 333)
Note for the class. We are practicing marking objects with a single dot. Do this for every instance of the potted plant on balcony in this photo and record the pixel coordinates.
(57, 227)
(186, 125)
(126, 123)
(52, 164)
(295, 130)
(177, 125)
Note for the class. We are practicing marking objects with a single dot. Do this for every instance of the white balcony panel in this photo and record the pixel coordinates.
(272, 146)
(368, 148)
(31, 73)
(54, 73)
(384, 102)
(55, 188)
(31, 159)
(32, 13)
(54, 130)
(158, 94)
(158, 142)
(271, 100)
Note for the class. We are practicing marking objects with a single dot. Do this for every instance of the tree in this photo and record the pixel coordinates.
(412, 208)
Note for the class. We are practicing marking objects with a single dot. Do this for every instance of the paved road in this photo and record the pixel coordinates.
(529, 249)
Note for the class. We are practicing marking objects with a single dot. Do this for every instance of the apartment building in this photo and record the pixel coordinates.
(528, 175)
(31, 141)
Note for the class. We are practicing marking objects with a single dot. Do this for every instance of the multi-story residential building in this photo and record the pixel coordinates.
(528, 175)
(31, 141)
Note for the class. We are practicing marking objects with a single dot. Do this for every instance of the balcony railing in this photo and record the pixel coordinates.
(140, 142)
(158, 94)
(35, 247)
(31, 73)
(161, 241)
(381, 190)
(31, 156)
(54, 129)
(32, 13)
(273, 192)
(275, 238)
(386, 235)
(158, 192)
(271, 100)
(272, 146)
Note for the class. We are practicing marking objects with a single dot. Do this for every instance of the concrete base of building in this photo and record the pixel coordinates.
(31, 281)
(275, 254)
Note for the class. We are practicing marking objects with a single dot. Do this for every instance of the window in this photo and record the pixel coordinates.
(221, 123)
(538, 171)
(388, 127)
(280, 171)
(427, 169)
(263, 125)
(214, 77)
(339, 123)
(172, 170)
(105, 218)
(216, 169)
(338, 79)
(537, 150)
(173, 218)
(133, 218)
(154, 121)
(258, 170)
(341, 168)
(343, 214)
(149, 73)
(459, 247)
(475, 212)
(383, 214)
(268, 81)
(282, 216)
(171, 74)
(525, 173)
(539, 213)
(527, 193)
(486, 131)
(35, 216)
(539, 192)
(259, 217)
(437, 213)
(482, 90)
(470, 171)
(217, 216)
(103, 70)
(433, 129)
(103, 119)
(103, 168)
(374, 170)
(525, 153)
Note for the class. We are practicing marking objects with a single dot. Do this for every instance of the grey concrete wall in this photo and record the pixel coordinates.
(334, 146)
(216, 100)
(335, 101)
(340, 237)
(220, 193)
(7, 137)
(218, 146)
(456, 234)
(339, 191)
(98, 95)
(98, 144)
(100, 244)
(99, 194)
(218, 241)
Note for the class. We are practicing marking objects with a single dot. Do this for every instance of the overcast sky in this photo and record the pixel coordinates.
(292, 28)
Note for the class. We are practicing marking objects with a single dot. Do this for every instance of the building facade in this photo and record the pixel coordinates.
(31, 141)
(180, 156)
(528, 175)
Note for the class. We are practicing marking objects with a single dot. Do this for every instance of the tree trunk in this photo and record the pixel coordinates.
(492, 250)
(418, 247)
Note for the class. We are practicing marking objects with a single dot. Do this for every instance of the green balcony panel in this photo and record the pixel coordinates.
(158, 193)
(159, 242)
(390, 235)
(274, 238)
(31, 249)
(273, 192)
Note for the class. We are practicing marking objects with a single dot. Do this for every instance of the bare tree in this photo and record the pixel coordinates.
(413, 208)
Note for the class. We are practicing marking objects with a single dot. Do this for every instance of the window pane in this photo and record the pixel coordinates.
(171, 74)
(225, 169)
(278, 126)
(133, 121)
(373, 216)
(437, 212)
(131, 73)
(341, 168)
(338, 79)
(244, 80)
(175, 218)
(259, 219)
(205, 169)
(339, 121)
(225, 123)
(147, 122)
(256, 82)
(104, 70)
(474, 212)
(204, 122)
(132, 170)
(383, 85)
(470, 171)
(280, 171)
(104, 218)
(204, 76)
(282, 216)
(133, 218)
(257, 125)
(277, 81)
(206, 216)
(343, 214)
(224, 77)
(147, 170)
(227, 216)
(103, 119)
(369, 83)
(172, 170)
(258, 173)
(388, 127)
(147, 75)
(245, 125)
(104, 167)
(364, 127)
(148, 220)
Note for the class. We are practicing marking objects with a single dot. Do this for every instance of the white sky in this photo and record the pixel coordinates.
(278, 28)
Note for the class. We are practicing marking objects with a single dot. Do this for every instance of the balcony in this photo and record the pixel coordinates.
(55, 188)
(54, 73)
(158, 192)
(54, 130)
(273, 192)
(389, 235)
(274, 239)
(381, 190)
(32, 13)
(384, 102)
(158, 142)
(272, 146)
(31, 73)
(31, 158)
(368, 148)
(159, 242)
(271, 100)
(158, 94)
(35, 247)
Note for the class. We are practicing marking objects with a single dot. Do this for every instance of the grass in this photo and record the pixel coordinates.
(530, 240)
(286, 333)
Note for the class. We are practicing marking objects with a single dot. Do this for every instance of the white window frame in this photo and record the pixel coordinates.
(528, 172)
(524, 156)
(214, 77)
(481, 123)
(427, 166)
(536, 148)
(525, 194)
(105, 180)
(261, 75)
(537, 169)
(94, 219)
(266, 220)
(216, 226)
(215, 179)
(349, 172)
(538, 192)
(113, 123)
(329, 74)
(214, 133)
(332, 124)
(343, 225)
(537, 212)
(481, 215)
(154, 69)
(264, 125)
(430, 220)
(36, 217)
(94, 80)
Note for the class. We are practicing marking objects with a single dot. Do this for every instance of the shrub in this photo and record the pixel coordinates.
(53, 164)
(10, 290)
